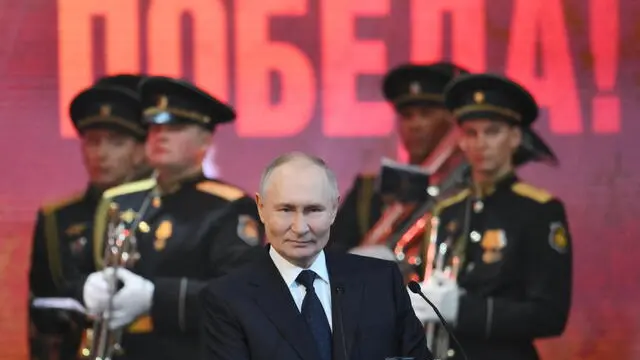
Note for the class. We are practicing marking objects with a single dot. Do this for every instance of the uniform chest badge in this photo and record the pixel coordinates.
(163, 233)
(248, 230)
(75, 229)
(493, 242)
(558, 237)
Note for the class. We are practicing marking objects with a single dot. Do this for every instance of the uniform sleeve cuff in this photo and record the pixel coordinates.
(169, 304)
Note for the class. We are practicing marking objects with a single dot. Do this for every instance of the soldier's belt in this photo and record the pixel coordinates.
(143, 325)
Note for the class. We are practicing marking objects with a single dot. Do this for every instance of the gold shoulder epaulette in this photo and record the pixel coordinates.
(368, 175)
(452, 200)
(129, 188)
(225, 191)
(52, 207)
(368, 180)
(534, 193)
(364, 188)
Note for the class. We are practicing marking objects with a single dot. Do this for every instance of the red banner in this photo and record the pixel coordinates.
(538, 54)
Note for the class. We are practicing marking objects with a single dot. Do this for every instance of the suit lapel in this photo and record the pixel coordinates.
(346, 299)
(274, 298)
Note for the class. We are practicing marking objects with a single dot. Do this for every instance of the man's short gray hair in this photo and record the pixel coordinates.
(299, 156)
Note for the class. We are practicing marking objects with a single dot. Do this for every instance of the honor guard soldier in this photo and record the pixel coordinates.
(112, 145)
(508, 264)
(187, 228)
(424, 125)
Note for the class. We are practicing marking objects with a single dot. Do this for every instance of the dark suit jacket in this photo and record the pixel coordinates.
(250, 314)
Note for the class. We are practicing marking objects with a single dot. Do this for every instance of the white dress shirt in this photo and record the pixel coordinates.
(290, 272)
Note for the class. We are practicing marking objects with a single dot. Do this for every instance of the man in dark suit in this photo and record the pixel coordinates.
(298, 302)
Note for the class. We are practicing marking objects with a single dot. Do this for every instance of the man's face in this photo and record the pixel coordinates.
(489, 144)
(297, 207)
(176, 145)
(110, 157)
(421, 128)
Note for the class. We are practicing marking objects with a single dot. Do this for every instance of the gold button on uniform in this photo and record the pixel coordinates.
(451, 353)
(144, 227)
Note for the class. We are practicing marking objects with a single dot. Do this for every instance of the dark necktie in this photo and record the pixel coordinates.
(314, 314)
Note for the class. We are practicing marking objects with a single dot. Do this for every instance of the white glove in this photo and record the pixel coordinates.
(95, 292)
(133, 300)
(444, 293)
(374, 251)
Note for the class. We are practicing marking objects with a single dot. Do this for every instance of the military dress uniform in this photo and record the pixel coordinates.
(360, 209)
(62, 246)
(511, 240)
(404, 86)
(187, 235)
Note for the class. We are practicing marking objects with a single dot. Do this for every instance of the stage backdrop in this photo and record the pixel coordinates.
(305, 74)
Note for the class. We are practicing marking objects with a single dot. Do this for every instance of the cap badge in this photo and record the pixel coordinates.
(415, 88)
(478, 97)
(105, 110)
(163, 102)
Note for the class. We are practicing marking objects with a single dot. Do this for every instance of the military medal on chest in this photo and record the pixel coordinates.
(493, 242)
(162, 234)
(79, 242)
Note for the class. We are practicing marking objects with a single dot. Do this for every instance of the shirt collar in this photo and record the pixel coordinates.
(290, 272)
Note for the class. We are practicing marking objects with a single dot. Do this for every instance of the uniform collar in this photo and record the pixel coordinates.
(185, 182)
(504, 182)
(143, 173)
(93, 194)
